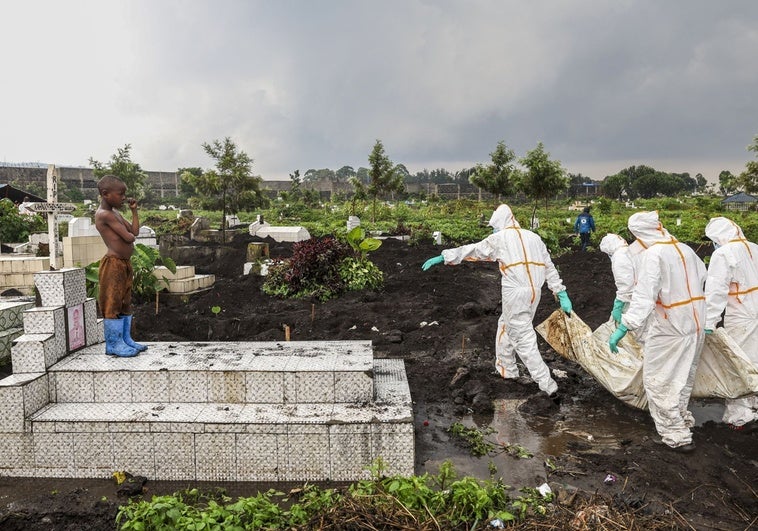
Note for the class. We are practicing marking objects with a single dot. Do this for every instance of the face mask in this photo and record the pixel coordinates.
(716, 245)
(494, 230)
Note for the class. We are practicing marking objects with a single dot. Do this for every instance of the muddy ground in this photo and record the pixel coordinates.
(576, 444)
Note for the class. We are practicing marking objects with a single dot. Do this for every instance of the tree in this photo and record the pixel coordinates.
(614, 186)
(344, 174)
(749, 178)
(543, 179)
(185, 177)
(383, 176)
(121, 166)
(231, 186)
(701, 182)
(497, 178)
(727, 183)
(362, 175)
(16, 227)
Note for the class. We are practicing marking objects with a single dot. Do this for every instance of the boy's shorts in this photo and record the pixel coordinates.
(116, 275)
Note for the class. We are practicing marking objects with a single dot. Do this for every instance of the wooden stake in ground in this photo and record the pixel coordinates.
(286, 332)
(313, 313)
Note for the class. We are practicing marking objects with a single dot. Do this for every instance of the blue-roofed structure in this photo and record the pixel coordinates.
(740, 201)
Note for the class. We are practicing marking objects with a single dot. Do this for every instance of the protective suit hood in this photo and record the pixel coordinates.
(612, 243)
(502, 218)
(722, 230)
(648, 229)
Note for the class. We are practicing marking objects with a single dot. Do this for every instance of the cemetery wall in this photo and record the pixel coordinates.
(163, 183)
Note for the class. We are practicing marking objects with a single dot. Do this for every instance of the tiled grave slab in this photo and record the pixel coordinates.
(21, 395)
(48, 320)
(65, 287)
(11, 314)
(6, 342)
(219, 442)
(199, 411)
(288, 372)
(182, 272)
(35, 352)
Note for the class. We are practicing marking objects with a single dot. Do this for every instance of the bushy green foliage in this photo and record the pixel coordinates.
(312, 271)
(442, 500)
(323, 268)
(15, 227)
(360, 273)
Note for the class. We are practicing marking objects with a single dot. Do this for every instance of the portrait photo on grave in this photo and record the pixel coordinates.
(75, 327)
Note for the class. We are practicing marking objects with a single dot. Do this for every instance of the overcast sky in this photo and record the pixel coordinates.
(301, 84)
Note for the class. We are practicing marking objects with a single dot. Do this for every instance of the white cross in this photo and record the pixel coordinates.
(52, 207)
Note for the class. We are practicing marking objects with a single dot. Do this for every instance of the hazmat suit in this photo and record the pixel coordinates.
(669, 286)
(624, 265)
(525, 265)
(732, 284)
(624, 274)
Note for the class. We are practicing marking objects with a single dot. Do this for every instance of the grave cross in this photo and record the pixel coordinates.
(52, 207)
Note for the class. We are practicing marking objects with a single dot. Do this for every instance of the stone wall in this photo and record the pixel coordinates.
(164, 183)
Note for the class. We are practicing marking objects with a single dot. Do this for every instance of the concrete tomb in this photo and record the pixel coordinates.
(243, 411)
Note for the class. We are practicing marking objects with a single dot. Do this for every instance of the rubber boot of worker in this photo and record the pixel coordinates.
(128, 334)
(114, 339)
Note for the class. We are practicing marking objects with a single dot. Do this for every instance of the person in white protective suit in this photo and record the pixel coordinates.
(525, 265)
(669, 286)
(732, 284)
(624, 274)
(624, 264)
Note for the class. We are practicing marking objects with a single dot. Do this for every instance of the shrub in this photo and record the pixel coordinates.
(324, 268)
(312, 271)
(15, 227)
(360, 273)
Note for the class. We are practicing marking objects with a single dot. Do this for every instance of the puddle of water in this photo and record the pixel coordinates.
(598, 427)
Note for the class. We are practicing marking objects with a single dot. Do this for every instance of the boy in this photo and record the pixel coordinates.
(115, 271)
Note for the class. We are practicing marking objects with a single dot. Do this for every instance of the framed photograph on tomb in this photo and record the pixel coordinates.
(75, 327)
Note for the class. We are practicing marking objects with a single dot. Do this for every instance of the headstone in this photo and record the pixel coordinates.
(256, 225)
(232, 220)
(146, 236)
(81, 227)
(352, 222)
(437, 235)
(199, 225)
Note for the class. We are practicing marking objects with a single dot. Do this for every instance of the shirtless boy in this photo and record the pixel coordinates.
(115, 271)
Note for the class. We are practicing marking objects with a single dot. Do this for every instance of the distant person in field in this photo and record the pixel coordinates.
(525, 265)
(732, 285)
(669, 287)
(584, 226)
(116, 273)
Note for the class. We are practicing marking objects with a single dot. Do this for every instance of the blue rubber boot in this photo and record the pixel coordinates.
(114, 339)
(128, 334)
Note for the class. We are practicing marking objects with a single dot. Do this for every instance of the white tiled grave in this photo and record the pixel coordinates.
(291, 411)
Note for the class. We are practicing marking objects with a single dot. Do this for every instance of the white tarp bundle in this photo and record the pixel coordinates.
(724, 371)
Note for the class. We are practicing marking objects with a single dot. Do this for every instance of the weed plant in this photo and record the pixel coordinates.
(441, 501)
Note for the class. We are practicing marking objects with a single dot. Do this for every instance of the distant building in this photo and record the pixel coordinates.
(740, 201)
